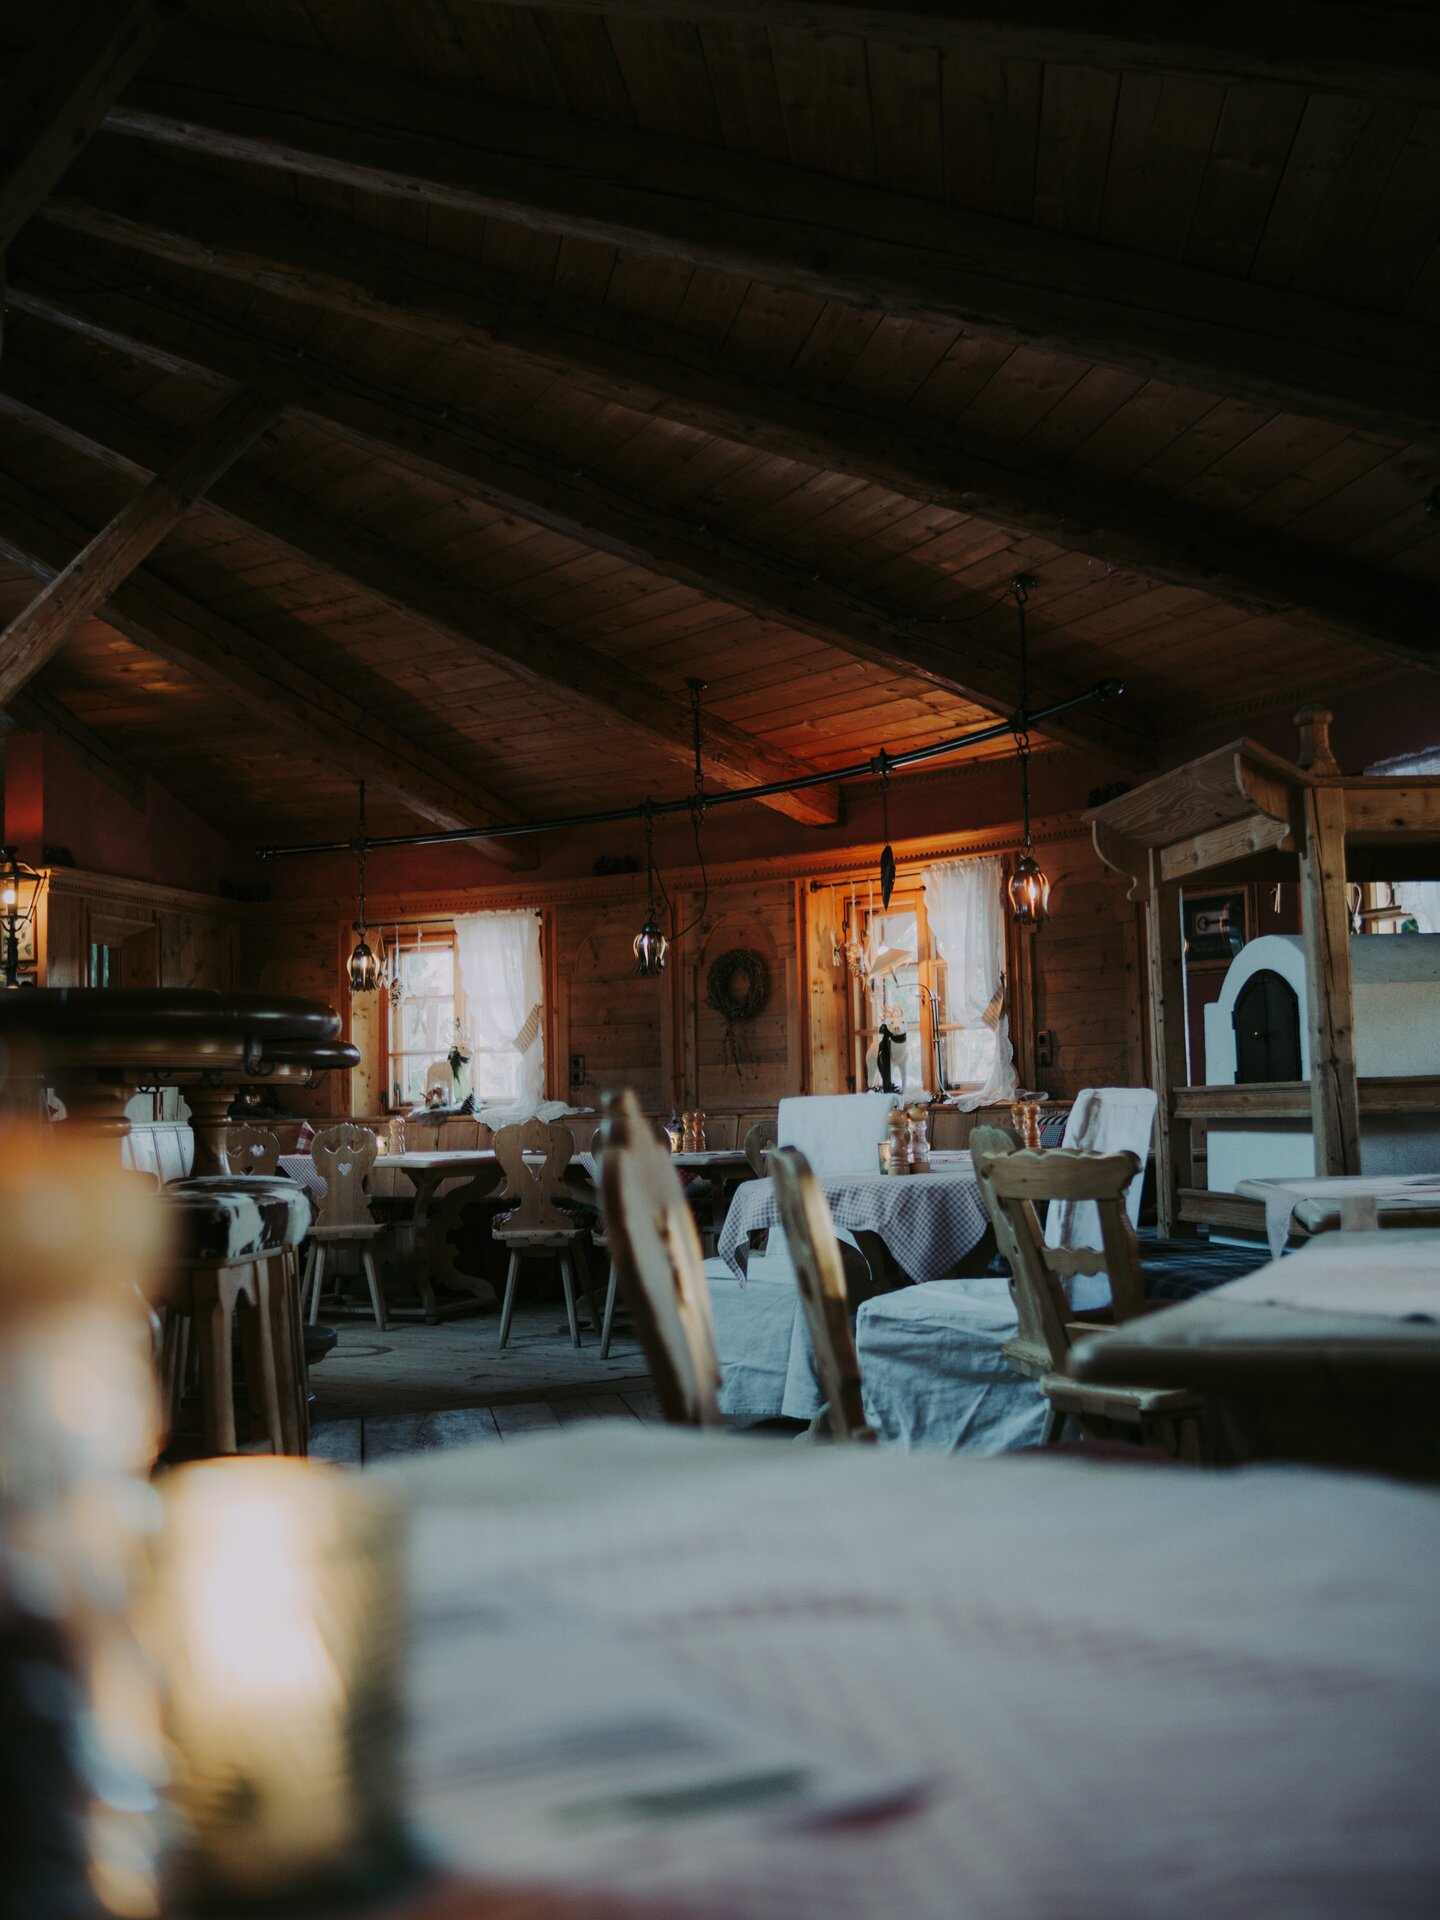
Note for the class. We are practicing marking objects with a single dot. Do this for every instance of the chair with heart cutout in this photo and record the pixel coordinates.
(344, 1155)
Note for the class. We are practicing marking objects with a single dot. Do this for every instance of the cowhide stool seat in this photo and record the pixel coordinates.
(235, 1266)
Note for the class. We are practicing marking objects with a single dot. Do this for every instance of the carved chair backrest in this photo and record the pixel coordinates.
(1013, 1183)
(535, 1187)
(758, 1140)
(344, 1154)
(656, 1249)
(820, 1278)
(252, 1149)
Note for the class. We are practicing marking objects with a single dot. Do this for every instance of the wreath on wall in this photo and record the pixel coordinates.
(737, 987)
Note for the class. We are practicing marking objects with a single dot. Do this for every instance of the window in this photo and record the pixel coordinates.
(898, 937)
(422, 1027)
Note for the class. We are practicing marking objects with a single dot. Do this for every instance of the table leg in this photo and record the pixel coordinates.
(210, 1123)
(433, 1258)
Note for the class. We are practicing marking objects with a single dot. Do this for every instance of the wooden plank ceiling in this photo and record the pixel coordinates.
(590, 349)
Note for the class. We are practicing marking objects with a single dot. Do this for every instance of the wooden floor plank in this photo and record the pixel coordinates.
(390, 1434)
(338, 1441)
(644, 1403)
(528, 1416)
(591, 1406)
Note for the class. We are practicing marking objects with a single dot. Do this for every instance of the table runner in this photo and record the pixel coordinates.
(1133, 1691)
(928, 1221)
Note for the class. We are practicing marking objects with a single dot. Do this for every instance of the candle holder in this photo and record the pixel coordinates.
(277, 1619)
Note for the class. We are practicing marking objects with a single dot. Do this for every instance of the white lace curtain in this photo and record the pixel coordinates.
(500, 971)
(1421, 898)
(964, 903)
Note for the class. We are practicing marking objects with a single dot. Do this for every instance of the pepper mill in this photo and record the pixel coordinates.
(699, 1130)
(919, 1141)
(897, 1147)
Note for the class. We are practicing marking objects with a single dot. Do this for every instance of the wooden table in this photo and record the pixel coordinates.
(1320, 1356)
(1353, 1203)
(1126, 1690)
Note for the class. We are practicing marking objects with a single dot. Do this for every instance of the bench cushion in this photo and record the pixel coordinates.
(236, 1217)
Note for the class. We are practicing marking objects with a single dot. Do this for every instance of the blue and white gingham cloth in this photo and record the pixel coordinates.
(927, 1221)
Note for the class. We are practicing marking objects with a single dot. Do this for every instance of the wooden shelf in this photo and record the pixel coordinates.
(1290, 1099)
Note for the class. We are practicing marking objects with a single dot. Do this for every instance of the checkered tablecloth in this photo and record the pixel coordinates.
(1130, 1692)
(300, 1168)
(928, 1221)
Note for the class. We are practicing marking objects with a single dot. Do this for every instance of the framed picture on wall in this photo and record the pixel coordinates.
(1215, 926)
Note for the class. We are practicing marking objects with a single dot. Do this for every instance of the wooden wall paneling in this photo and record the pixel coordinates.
(759, 918)
(826, 1065)
(614, 1018)
(1081, 993)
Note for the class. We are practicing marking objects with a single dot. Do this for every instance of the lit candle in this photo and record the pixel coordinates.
(280, 1637)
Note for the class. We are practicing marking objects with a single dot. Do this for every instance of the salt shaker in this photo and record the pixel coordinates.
(918, 1142)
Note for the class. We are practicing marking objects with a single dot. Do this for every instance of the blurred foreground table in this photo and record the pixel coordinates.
(1124, 1690)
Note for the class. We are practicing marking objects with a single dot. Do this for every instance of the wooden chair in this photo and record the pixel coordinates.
(252, 1149)
(656, 1249)
(1012, 1182)
(344, 1155)
(820, 1276)
(758, 1140)
(537, 1227)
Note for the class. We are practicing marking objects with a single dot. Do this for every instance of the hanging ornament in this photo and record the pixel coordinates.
(650, 945)
(397, 972)
(887, 852)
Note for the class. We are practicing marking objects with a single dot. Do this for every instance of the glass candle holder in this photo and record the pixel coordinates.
(277, 1619)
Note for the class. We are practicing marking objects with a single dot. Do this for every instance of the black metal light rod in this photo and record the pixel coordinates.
(440, 836)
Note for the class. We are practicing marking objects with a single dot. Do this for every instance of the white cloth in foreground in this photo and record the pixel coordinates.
(964, 903)
(836, 1132)
(500, 971)
(932, 1372)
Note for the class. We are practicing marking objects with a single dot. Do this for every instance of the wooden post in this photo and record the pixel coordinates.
(1165, 967)
(1334, 1096)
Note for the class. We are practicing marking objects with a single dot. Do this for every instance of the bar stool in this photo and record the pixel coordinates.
(234, 1266)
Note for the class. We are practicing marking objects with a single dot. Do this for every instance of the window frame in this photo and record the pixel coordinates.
(438, 935)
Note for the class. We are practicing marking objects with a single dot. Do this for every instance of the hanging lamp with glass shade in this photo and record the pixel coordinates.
(364, 966)
(20, 890)
(650, 944)
(1029, 887)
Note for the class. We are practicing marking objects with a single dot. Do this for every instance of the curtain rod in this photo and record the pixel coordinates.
(881, 765)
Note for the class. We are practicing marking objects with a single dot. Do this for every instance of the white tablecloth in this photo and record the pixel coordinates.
(1394, 1275)
(1134, 1692)
(1360, 1191)
(928, 1221)
(933, 1374)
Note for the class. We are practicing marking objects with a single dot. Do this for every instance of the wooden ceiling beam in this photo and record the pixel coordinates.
(589, 508)
(322, 722)
(1388, 50)
(58, 93)
(113, 554)
(212, 225)
(381, 132)
(97, 424)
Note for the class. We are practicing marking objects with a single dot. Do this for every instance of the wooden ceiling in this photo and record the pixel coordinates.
(503, 367)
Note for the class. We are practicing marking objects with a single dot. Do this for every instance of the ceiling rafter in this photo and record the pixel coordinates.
(112, 555)
(1389, 50)
(95, 423)
(370, 128)
(323, 722)
(216, 226)
(589, 508)
(58, 93)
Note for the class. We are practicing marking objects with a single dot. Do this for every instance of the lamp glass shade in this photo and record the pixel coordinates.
(19, 888)
(651, 947)
(364, 966)
(1029, 892)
